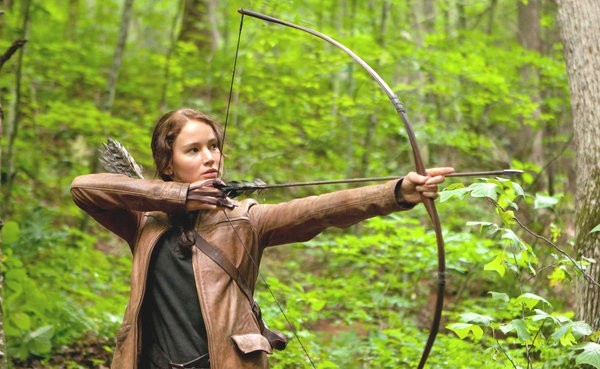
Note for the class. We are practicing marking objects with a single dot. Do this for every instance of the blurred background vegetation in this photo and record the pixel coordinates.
(485, 87)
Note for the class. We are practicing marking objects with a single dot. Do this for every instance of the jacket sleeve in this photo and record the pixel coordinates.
(302, 219)
(118, 202)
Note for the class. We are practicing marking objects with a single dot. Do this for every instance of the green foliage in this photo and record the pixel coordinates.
(58, 288)
(529, 328)
(301, 111)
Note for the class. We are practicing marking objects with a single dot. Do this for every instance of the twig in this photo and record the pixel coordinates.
(586, 276)
(552, 160)
(503, 350)
(11, 50)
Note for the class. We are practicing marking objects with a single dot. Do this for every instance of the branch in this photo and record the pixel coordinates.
(586, 276)
(10, 51)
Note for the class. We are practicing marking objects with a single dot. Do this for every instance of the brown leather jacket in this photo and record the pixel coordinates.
(136, 210)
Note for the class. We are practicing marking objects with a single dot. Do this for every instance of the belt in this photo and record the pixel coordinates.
(160, 360)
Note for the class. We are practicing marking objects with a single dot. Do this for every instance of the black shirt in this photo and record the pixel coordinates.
(171, 317)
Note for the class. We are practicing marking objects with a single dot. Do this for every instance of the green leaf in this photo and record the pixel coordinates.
(595, 229)
(462, 330)
(521, 328)
(476, 318)
(21, 320)
(542, 315)
(10, 232)
(563, 335)
(326, 364)
(509, 234)
(500, 296)
(490, 227)
(459, 193)
(497, 264)
(518, 189)
(543, 201)
(590, 355)
(40, 340)
(581, 328)
(317, 305)
(489, 190)
(530, 300)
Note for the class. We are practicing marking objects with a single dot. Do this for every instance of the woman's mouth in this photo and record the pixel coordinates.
(211, 174)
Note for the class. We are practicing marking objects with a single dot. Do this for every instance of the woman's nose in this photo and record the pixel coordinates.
(207, 157)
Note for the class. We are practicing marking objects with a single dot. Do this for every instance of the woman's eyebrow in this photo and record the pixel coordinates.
(199, 143)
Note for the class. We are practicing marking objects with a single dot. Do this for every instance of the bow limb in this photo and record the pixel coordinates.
(419, 166)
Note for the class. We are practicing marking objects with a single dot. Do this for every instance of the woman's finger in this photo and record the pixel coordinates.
(439, 171)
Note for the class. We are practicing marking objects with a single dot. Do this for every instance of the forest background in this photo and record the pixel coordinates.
(484, 84)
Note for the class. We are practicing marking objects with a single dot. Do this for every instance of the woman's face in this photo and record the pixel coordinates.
(196, 154)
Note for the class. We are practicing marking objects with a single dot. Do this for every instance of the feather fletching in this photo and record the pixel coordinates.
(116, 159)
(236, 188)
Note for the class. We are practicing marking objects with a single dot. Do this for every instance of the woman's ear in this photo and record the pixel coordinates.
(169, 171)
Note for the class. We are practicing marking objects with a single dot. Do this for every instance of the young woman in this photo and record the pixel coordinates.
(185, 307)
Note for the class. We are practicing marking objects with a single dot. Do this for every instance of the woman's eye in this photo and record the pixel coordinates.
(214, 147)
(194, 149)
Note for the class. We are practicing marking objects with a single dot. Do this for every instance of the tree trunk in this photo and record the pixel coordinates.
(531, 138)
(111, 86)
(170, 51)
(199, 26)
(3, 356)
(72, 22)
(14, 115)
(578, 21)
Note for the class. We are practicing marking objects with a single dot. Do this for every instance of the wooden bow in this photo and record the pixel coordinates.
(418, 160)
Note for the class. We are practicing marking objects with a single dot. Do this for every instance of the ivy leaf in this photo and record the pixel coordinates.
(489, 226)
(508, 217)
(530, 300)
(521, 328)
(477, 318)
(557, 276)
(564, 335)
(22, 321)
(518, 189)
(40, 340)
(543, 201)
(581, 328)
(500, 296)
(10, 232)
(317, 305)
(489, 190)
(448, 194)
(590, 355)
(515, 240)
(462, 330)
(542, 315)
(570, 332)
(497, 265)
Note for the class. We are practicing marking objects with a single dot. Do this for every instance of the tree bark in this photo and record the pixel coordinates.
(198, 25)
(113, 76)
(578, 22)
(168, 56)
(3, 356)
(111, 86)
(14, 115)
(72, 22)
(531, 138)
